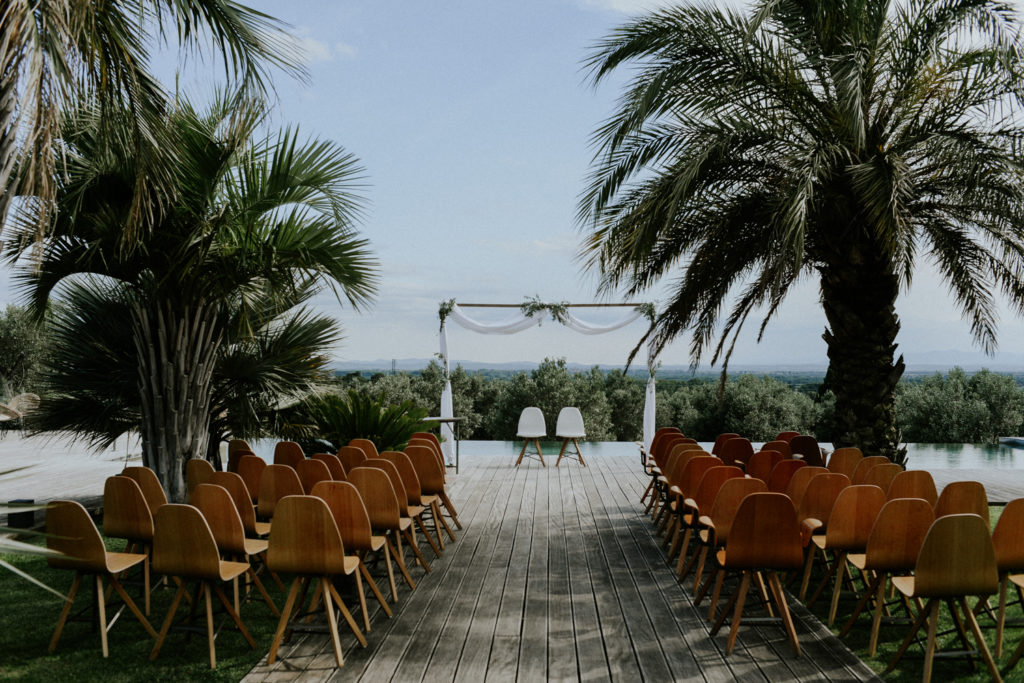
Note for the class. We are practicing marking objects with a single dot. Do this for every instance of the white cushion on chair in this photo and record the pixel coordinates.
(570, 424)
(531, 424)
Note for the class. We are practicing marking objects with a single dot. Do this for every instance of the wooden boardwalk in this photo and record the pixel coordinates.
(557, 576)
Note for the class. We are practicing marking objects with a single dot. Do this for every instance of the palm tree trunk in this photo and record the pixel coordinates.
(176, 352)
(8, 126)
(858, 294)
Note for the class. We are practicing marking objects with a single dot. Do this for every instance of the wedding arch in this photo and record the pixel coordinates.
(524, 316)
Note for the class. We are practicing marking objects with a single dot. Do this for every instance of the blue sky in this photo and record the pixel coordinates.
(472, 120)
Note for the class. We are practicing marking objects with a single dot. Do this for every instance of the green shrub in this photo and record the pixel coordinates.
(359, 416)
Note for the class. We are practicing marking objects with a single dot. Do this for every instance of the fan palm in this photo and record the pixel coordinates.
(53, 52)
(252, 229)
(804, 139)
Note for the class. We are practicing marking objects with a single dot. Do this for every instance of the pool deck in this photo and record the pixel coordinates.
(558, 576)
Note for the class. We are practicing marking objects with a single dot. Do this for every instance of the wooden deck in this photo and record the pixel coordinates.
(557, 576)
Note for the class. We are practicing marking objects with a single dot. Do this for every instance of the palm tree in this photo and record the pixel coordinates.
(810, 139)
(153, 333)
(54, 52)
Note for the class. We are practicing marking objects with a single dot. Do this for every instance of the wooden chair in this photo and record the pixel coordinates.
(276, 482)
(689, 478)
(647, 456)
(434, 448)
(351, 457)
(381, 501)
(234, 485)
(865, 465)
(152, 491)
(800, 480)
(312, 472)
(531, 429)
(346, 506)
(956, 560)
(334, 466)
(221, 514)
(807, 446)
(305, 542)
(659, 457)
(569, 427)
(184, 547)
(660, 479)
(1008, 542)
(446, 501)
(780, 446)
(417, 498)
(736, 451)
(288, 453)
(368, 447)
(785, 436)
(431, 476)
(236, 449)
(761, 464)
(892, 548)
(250, 469)
(815, 508)
(845, 460)
(71, 531)
(197, 471)
(429, 436)
(962, 497)
(673, 486)
(913, 484)
(850, 522)
(882, 475)
(699, 504)
(764, 537)
(782, 473)
(720, 440)
(406, 509)
(126, 515)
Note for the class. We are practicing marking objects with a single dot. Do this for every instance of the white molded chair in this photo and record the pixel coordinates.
(570, 428)
(531, 428)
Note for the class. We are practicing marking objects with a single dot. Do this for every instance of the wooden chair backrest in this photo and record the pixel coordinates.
(346, 506)
(727, 502)
(761, 464)
(845, 460)
(765, 534)
(431, 446)
(865, 465)
(305, 539)
(820, 495)
(71, 531)
(710, 484)
(780, 446)
(333, 463)
(396, 481)
(684, 446)
(661, 434)
(957, 558)
(720, 441)
(799, 481)
(882, 475)
(235, 487)
(407, 471)
(276, 482)
(250, 469)
(220, 512)
(378, 494)
(288, 453)
(183, 543)
(913, 484)
(429, 472)
(807, 446)
(429, 436)
(694, 471)
(351, 457)
(782, 473)
(197, 471)
(1008, 537)
(311, 472)
(785, 436)
(853, 516)
(125, 511)
(674, 474)
(898, 533)
(368, 447)
(665, 447)
(152, 491)
(962, 497)
(736, 450)
(236, 449)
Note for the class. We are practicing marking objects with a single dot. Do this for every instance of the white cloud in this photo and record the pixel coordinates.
(315, 50)
(631, 7)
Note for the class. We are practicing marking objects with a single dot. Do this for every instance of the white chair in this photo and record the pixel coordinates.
(531, 428)
(570, 428)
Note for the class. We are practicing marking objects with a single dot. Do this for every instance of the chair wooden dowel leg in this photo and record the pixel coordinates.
(282, 623)
(68, 602)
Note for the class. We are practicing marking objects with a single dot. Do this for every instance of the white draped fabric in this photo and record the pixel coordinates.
(518, 322)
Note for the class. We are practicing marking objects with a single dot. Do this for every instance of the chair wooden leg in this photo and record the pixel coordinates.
(145, 582)
(209, 625)
(362, 599)
(787, 618)
(876, 617)
(450, 507)
(282, 623)
(811, 550)
(840, 565)
(376, 591)
(416, 550)
(348, 615)
(762, 590)
(332, 625)
(396, 552)
(234, 616)
(561, 452)
(741, 598)
(522, 452)
(68, 602)
(993, 670)
(699, 572)
(263, 592)
(682, 551)
(391, 570)
(1001, 616)
(440, 518)
(167, 622)
(578, 453)
(930, 608)
(540, 453)
(132, 606)
(418, 519)
(861, 604)
(716, 594)
(101, 605)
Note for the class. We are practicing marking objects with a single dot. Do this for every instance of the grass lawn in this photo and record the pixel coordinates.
(30, 614)
(912, 664)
